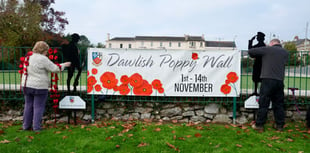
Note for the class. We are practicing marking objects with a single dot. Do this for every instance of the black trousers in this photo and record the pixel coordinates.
(71, 70)
(271, 90)
(308, 117)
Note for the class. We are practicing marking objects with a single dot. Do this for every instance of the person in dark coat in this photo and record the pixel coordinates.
(257, 66)
(72, 54)
(274, 59)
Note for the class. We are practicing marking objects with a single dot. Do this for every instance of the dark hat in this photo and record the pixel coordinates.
(75, 36)
(260, 34)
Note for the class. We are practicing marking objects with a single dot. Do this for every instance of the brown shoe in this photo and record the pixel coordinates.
(259, 129)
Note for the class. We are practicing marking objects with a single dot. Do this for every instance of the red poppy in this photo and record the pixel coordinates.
(87, 72)
(55, 57)
(29, 53)
(115, 88)
(22, 59)
(108, 80)
(136, 80)
(94, 71)
(89, 88)
(26, 63)
(225, 88)
(232, 77)
(125, 79)
(161, 90)
(51, 57)
(156, 84)
(194, 56)
(91, 81)
(123, 89)
(55, 51)
(50, 51)
(144, 90)
(55, 101)
(98, 87)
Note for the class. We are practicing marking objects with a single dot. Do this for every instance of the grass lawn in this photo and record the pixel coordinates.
(153, 137)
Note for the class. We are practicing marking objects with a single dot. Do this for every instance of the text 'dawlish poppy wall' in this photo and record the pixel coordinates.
(163, 72)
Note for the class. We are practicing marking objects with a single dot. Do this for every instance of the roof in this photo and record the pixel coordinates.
(123, 39)
(300, 41)
(159, 38)
(220, 44)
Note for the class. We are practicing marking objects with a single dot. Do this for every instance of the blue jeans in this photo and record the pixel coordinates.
(271, 90)
(35, 100)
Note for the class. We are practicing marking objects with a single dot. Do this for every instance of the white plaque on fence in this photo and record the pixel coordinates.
(252, 102)
(72, 102)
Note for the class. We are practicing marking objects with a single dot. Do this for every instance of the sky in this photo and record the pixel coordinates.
(217, 20)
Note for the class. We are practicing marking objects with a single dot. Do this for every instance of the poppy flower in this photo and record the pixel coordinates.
(232, 77)
(94, 71)
(89, 88)
(108, 80)
(22, 59)
(55, 101)
(125, 79)
(51, 57)
(160, 90)
(98, 87)
(29, 53)
(136, 80)
(156, 84)
(91, 81)
(115, 88)
(144, 90)
(123, 89)
(194, 56)
(55, 51)
(50, 51)
(225, 88)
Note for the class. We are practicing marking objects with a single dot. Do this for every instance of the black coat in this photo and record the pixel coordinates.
(257, 66)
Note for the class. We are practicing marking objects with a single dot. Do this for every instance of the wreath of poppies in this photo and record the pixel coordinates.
(24, 63)
(54, 94)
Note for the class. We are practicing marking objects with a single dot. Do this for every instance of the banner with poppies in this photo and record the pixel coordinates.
(163, 72)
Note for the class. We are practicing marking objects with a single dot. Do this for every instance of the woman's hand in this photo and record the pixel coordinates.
(67, 64)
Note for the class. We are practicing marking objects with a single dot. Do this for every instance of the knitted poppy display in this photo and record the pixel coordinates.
(24, 63)
(54, 95)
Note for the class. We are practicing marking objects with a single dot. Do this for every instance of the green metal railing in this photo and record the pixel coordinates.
(297, 76)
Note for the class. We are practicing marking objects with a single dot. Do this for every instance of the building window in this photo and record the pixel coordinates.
(121, 46)
(179, 44)
(170, 44)
(142, 43)
(192, 44)
(161, 44)
(129, 45)
(201, 44)
(110, 45)
(151, 43)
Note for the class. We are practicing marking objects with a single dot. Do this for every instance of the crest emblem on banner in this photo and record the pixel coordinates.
(97, 58)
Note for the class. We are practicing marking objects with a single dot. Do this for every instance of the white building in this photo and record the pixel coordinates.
(166, 42)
